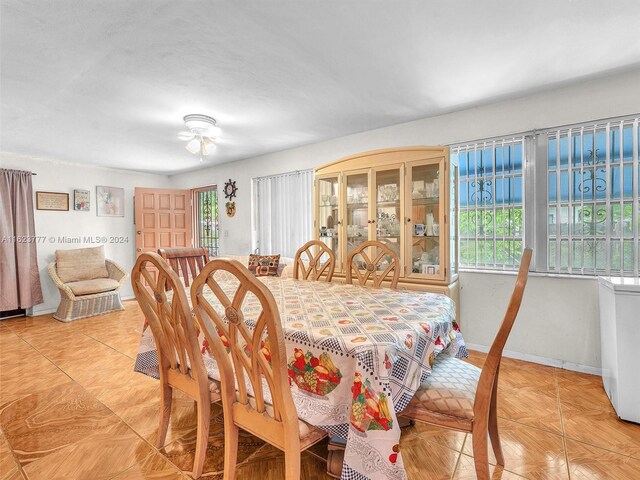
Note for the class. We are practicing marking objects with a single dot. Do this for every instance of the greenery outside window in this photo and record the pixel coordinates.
(206, 219)
(491, 192)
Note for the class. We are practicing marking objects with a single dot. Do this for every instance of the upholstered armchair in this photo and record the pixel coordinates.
(89, 284)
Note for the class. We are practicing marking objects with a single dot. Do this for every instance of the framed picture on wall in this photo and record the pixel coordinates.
(109, 201)
(81, 200)
(52, 201)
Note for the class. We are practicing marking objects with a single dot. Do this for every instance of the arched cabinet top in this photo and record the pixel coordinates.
(381, 157)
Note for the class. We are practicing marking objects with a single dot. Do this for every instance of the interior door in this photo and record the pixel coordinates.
(163, 219)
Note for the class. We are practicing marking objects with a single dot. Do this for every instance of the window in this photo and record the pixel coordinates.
(206, 219)
(282, 212)
(581, 199)
(491, 222)
(593, 199)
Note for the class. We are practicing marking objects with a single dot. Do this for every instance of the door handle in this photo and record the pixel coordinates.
(138, 250)
(139, 232)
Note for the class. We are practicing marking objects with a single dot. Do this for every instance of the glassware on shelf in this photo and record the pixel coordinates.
(427, 263)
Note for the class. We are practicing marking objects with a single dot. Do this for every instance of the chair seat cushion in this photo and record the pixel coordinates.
(97, 285)
(450, 389)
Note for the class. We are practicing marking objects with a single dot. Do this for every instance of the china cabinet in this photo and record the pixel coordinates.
(405, 198)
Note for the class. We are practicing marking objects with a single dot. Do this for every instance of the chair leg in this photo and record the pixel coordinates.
(493, 431)
(292, 464)
(480, 452)
(202, 439)
(166, 394)
(230, 448)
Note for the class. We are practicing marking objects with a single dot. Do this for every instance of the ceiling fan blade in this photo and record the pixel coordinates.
(186, 136)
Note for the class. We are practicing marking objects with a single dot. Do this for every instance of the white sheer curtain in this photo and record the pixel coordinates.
(282, 212)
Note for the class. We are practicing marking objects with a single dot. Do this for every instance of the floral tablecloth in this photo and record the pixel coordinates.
(356, 356)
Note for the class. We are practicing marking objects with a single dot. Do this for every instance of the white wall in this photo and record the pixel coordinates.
(57, 176)
(562, 328)
(557, 325)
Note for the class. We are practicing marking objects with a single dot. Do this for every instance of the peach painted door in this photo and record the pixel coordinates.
(163, 219)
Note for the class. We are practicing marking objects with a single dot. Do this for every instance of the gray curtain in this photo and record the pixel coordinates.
(19, 276)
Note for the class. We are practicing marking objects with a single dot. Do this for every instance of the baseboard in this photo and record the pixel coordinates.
(549, 362)
(37, 313)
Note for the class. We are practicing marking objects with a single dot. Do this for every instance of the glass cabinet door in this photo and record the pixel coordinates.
(453, 217)
(388, 208)
(425, 220)
(357, 219)
(328, 221)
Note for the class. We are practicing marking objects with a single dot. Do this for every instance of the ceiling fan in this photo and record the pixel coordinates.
(201, 135)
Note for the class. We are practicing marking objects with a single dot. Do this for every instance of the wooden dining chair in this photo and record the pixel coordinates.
(185, 260)
(371, 263)
(253, 360)
(463, 397)
(180, 362)
(314, 268)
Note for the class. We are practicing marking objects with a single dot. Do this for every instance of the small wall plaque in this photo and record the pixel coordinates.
(52, 201)
(81, 200)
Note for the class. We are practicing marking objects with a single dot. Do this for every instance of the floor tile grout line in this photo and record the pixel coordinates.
(114, 349)
(433, 442)
(58, 366)
(573, 439)
(455, 468)
(13, 454)
(531, 426)
(599, 447)
(128, 468)
(564, 439)
(47, 358)
(504, 469)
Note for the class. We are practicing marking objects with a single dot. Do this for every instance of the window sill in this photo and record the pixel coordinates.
(531, 274)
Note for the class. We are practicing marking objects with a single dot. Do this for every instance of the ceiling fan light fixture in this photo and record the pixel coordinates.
(208, 146)
(199, 123)
(193, 146)
(200, 138)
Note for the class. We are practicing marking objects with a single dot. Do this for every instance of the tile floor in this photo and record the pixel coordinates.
(71, 407)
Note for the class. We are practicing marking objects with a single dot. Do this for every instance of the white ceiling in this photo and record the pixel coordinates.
(108, 82)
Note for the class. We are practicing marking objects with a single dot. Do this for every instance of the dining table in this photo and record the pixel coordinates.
(355, 357)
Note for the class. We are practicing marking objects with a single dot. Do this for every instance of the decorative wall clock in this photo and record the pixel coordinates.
(230, 189)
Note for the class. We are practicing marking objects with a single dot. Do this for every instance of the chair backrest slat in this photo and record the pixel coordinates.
(491, 366)
(171, 322)
(248, 351)
(314, 268)
(377, 253)
(185, 261)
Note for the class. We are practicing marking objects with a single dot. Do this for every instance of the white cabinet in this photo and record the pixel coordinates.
(620, 337)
